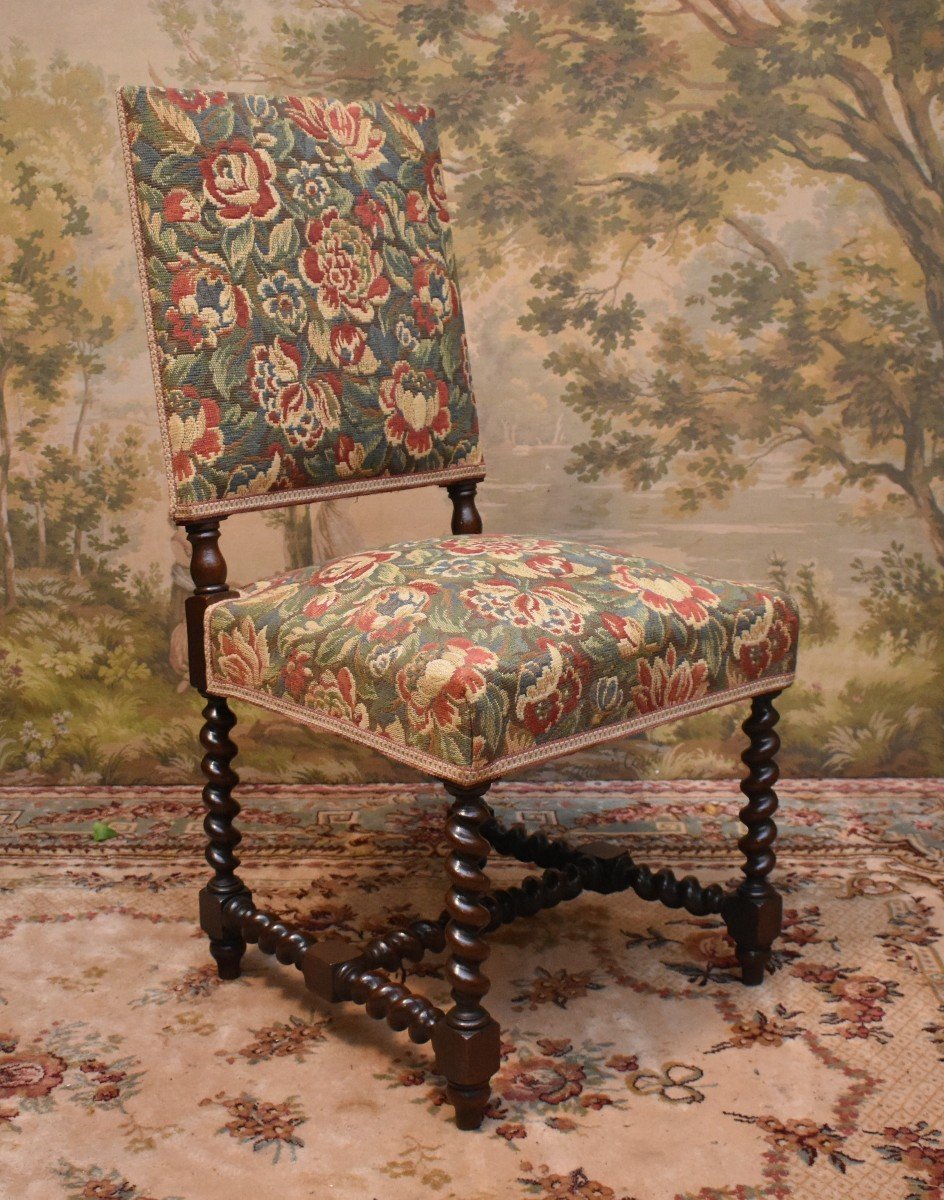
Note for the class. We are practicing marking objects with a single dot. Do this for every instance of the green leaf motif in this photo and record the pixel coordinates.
(283, 241)
(398, 266)
(238, 241)
(228, 368)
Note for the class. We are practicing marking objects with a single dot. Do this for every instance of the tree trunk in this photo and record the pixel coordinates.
(6, 541)
(296, 533)
(83, 409)
(930, 514)
(77, 553)
(333, 533)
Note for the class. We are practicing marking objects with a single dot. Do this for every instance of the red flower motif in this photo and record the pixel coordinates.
(628, 632)
(436, 299)
(346, 125)
(342, 268)
(194, 434)
(550, 685)
(181, 205)
(417, 209)
(237, 178)
(432, 169)
(205, 305)
(353, 566)
(373, 214)
(196, 102)
(768, 640)
(667, 592)
(664, 683)
(297, 674)
(347, 345)
(418, 404)
(549, 564)
(416, 113)
(31, 1075)
(440, 679)
(349, 456)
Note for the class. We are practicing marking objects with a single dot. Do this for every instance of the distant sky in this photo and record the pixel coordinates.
(121, 37)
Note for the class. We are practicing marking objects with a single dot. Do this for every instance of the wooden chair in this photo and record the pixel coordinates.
(307, 343)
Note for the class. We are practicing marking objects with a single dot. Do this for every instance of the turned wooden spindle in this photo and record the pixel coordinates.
(465, 516)
(208, 571)
(467, 1040)
(226, 944)
(754, 912)
(606, 868)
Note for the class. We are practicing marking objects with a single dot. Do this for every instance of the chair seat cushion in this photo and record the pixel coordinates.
(468, 657)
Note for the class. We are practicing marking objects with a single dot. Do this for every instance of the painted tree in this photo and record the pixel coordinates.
(612, 141)
(54, 136)
(80, 496)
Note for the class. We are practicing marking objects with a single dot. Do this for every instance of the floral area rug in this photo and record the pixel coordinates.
(635, 1066)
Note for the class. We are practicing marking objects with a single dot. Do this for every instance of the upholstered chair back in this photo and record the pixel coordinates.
(304, 321)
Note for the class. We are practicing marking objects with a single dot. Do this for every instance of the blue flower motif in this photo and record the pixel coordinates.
(283, 301)
(607, 694)
(309, 185)
(408, 334)
(261, 108)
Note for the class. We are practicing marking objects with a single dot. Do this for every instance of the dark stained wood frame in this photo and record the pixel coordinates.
(466, 1038)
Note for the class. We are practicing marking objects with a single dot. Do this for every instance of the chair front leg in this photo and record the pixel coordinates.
(754, 913)
(467, 1040)
(226, 945)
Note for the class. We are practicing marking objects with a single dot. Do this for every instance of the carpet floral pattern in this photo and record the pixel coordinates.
(634, 1065)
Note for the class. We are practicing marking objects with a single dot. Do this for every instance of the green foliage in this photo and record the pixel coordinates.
(56, 130)
(882, 741)
(905, 602)
(817, 616)
(605, 140)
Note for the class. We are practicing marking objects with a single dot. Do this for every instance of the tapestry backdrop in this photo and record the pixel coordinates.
(702, 252)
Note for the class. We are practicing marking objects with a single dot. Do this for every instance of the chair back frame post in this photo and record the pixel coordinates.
(465, 516)
(208, 572)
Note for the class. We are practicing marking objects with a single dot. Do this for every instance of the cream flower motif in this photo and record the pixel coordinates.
(666, 682)
(194, 435)
(242, 656)
(418, 406)
(237, 178)
(441, 680)
(336, 695)
(668, 592)
(347, 126)
(342, 268)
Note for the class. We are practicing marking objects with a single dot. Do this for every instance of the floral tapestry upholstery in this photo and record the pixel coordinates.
(304, 320)
(470, 656)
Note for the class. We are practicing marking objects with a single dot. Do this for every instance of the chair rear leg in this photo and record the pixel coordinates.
(226, 946)
(754, 912)
(467, 1039)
